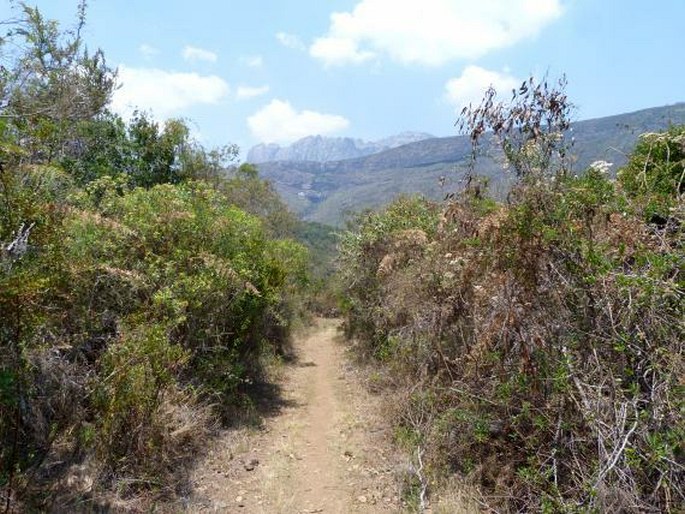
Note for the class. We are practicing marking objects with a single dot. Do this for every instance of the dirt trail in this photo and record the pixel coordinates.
(325, 451)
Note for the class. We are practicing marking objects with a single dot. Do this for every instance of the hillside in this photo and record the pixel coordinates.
(325, 191)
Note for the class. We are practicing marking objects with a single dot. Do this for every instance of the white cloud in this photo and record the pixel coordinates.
(471, 85)
(339, 50)
(193, 53)
(279, 122)
(247, 92)
(430, 32)
(291, 41)
(165, 93)
(148, 51)
(252, 61)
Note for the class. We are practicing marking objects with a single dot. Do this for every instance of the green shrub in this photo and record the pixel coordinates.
(655, 174)
(137, 371)
(138, 302)
(141, 278)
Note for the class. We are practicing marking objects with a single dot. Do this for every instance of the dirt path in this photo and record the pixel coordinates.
(325, 451)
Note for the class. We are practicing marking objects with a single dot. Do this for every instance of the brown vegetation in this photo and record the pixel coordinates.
(536, 348)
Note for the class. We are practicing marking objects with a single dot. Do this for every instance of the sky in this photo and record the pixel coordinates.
(251, 71)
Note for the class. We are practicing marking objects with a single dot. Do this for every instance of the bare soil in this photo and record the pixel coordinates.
(324, 450)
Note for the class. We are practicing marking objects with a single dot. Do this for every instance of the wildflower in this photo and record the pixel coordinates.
(601, 166)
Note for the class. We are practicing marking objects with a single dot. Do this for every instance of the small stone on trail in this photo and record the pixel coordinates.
(361, 499)
(251, 465)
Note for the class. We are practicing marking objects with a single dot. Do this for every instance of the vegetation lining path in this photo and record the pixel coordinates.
(324, 451)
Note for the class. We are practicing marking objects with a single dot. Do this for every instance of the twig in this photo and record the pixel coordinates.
(422, 480)
(474, 396)
(617, 453)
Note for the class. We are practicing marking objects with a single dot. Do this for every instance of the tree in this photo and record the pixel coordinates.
(50, 84)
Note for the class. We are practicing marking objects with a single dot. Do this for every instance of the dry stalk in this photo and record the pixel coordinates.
(422, 480)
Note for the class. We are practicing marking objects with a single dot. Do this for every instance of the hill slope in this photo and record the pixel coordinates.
(326, 191)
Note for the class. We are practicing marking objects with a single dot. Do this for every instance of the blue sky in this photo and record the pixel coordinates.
(275, 70)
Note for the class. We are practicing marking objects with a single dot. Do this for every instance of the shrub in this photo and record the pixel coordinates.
(143, 305)
(393, 234)
(534, 348)
(140, 284)
(655, 174)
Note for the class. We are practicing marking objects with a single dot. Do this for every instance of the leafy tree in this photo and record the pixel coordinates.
(50, 84)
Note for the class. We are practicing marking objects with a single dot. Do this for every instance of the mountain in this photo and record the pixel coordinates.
(327, 190)
(403, 138)
(324, 149)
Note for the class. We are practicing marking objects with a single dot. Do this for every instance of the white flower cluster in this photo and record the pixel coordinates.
(602, 166)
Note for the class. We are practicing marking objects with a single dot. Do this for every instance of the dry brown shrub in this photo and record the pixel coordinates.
(504, 348)
(98, 219)
(536, 348)
(410, 239)
(386, 266)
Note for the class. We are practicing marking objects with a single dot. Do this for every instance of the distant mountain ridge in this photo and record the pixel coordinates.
(325, 191)
(324, 149)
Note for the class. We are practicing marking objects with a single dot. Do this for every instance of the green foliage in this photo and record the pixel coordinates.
(195, 262)
(102, 145)
(52, 84)
(137, 370)
(322, 243)
(144, 151)
(143, 294)
(655, 174)
(140, 283)
(155, 152)
(245, 189)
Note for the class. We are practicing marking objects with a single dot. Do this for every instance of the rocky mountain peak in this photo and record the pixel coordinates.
(326, 149)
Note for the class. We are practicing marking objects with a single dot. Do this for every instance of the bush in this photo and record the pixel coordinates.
(141, 280)
(655, 174)
(363, 252)
(148, 297)
(535, 348)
